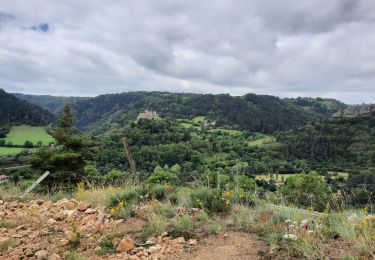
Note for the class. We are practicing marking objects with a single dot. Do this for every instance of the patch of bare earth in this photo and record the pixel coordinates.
(233, 245)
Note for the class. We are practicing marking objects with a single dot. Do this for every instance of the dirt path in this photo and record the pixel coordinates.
(236, 245)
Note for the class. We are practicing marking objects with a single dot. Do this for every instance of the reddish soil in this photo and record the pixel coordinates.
(236, 245)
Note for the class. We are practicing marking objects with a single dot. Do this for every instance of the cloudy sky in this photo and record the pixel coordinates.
(287, 48)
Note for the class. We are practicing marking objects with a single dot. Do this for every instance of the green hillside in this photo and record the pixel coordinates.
(17, 111)
(259, 113)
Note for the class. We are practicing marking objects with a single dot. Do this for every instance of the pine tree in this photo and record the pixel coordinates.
(66, 161)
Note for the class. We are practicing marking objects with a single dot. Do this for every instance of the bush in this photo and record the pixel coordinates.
(28, 144)
(211, 200)
(158, 192)
(121, 204)
(182, 227)
(307, 190)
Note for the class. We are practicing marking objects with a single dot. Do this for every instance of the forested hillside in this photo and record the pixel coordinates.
(251, 112)
(53, 104)
(17, 111)
(344, 142)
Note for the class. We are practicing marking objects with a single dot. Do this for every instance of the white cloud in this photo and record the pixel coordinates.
(284, 48)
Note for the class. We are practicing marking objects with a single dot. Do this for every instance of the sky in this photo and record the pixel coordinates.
(286, 48)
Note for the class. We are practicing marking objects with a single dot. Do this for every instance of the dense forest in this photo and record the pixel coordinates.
(250, 112)
(259, 113)
(346, 143)
(17, 111)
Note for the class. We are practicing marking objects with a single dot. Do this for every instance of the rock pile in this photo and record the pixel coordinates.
(42, 229)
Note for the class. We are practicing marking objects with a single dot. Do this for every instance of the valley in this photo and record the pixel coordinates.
(280, 178)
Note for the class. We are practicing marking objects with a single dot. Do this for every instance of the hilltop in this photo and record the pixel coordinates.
(16, 111)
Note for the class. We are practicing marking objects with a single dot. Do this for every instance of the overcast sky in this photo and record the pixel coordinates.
(287, 48)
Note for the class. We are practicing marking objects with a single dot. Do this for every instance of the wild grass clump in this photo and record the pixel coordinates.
(165, 210)
(203, 217)
(214, 228)
(182, 227)
(155, 227)
(184, 197)
(5, 245)
(106, 246)
(242, 217)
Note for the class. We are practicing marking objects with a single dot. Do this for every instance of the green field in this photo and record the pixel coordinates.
(19, 134)
(13, 150)
(266, 141)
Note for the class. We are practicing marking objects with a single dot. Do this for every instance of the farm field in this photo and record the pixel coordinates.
(19, 134)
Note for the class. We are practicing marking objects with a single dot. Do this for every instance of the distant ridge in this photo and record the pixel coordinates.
(53, 104)
(17, 111)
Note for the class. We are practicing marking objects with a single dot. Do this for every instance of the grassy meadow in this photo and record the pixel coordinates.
(19, 134)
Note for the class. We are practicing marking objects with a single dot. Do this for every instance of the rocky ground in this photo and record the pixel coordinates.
(42, 229)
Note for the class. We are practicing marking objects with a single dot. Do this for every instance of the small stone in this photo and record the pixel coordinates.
(54, 257)
(51, 221)
(125, 245)
(41, 254)
(59, 216)
(90, 211)
(4, 240)
(225, 236)
(192, 242)
(154, 249)
(152, 240)
(179, 240)
(82, 206)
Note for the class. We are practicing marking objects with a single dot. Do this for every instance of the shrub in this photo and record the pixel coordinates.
(211, 200)
(158, 192)
(121, 204)
(28, 144)
(307, 190)
(182, 227)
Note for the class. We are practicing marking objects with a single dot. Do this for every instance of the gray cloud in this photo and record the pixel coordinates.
(285, 48)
